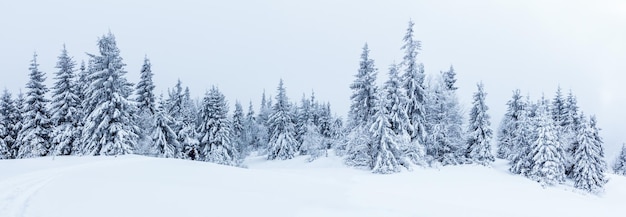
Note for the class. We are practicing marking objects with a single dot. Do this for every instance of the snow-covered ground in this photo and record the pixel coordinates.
(143, 186)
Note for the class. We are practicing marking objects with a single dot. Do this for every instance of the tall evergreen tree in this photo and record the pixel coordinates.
(386, 152)
(34, 137)
(10, 120)
(146, 108)
(109, 125)
(444, 125)
(164, 139)
(619, 167)
(302, 120)
(215, 132)
(364, 91)
(547, 160)
(479, 131)
(413, 79)
(238, 127)
(509, 126)
(185, 127)
(395, 103)
(521, 140)
(65, 103)
(282, 143)
(589, 165)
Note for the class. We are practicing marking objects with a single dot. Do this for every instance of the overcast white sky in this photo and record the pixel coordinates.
(247, 46)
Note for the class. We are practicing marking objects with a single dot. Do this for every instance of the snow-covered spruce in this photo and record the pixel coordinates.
(109, 127)
(444, 142)
(588, 163)
(10, 119)
(215, 130)
(546, 153)
(146, 108)
(509, 127)
(385, 150)
(282, 143)
(237, 123)
(619, 167)
(34, 137)
(479, 132)
(65, 108)
(364, 91)
(164, 139)
(413, 82)
(394, 101)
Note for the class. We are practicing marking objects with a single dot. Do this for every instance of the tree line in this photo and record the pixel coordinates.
(412, 120)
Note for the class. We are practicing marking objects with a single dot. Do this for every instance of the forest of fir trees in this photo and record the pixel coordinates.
(412, 120)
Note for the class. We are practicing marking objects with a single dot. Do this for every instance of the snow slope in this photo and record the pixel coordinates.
(142, 186)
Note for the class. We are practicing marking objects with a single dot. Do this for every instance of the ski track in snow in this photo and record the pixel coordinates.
(16, 191)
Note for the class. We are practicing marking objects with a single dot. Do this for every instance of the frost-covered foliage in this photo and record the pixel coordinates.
(444, 142)
(395, 104)
(146, 108)
(619, 167)
(588, 162)
(109, 127)
(479, 133)
(508, 135)
(10, 121)
(34, 137)
(521, 140)
(183, 111)
(413, 82)
(547, 154)
(164, 139)
(364, 91)
(237, 126)
(65, 109)
(385, 151)
(282, 143)
(215, 132)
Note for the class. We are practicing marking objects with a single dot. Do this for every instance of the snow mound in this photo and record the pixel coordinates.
(143, 186)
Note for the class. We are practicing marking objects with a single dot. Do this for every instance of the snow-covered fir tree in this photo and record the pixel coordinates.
(164, 139)
(588, 163)
(10, 120)
(444, 124)
(109, 127)
(34, 137)
(303, 116)
(547, 154)
(413, 80)
(385, 149)
(509, 126)
(65, 107)
(215, 132)
(479, 133)
(619, 167)
(282, 143)
(237, 123)
(395, 102)
(185, 127)
(364, 91)
(251, 131)
(521, 139)
(146, 108)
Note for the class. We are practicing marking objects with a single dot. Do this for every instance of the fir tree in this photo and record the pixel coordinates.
(444, 125)
(395, 104)
(65, 103)
(364, 91)
(385, 151)
(109, 125)
(215, 132)
(619, 167)
(521, 140)
(449, 79)
(479, 131)
(282, 143)
(34, 136)
(547, 160)
(10, 121)
(238, 122)
(413, 81)
(589, 165)
(164, 139)
(145, 89)
(509, 126)
(302, 120)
